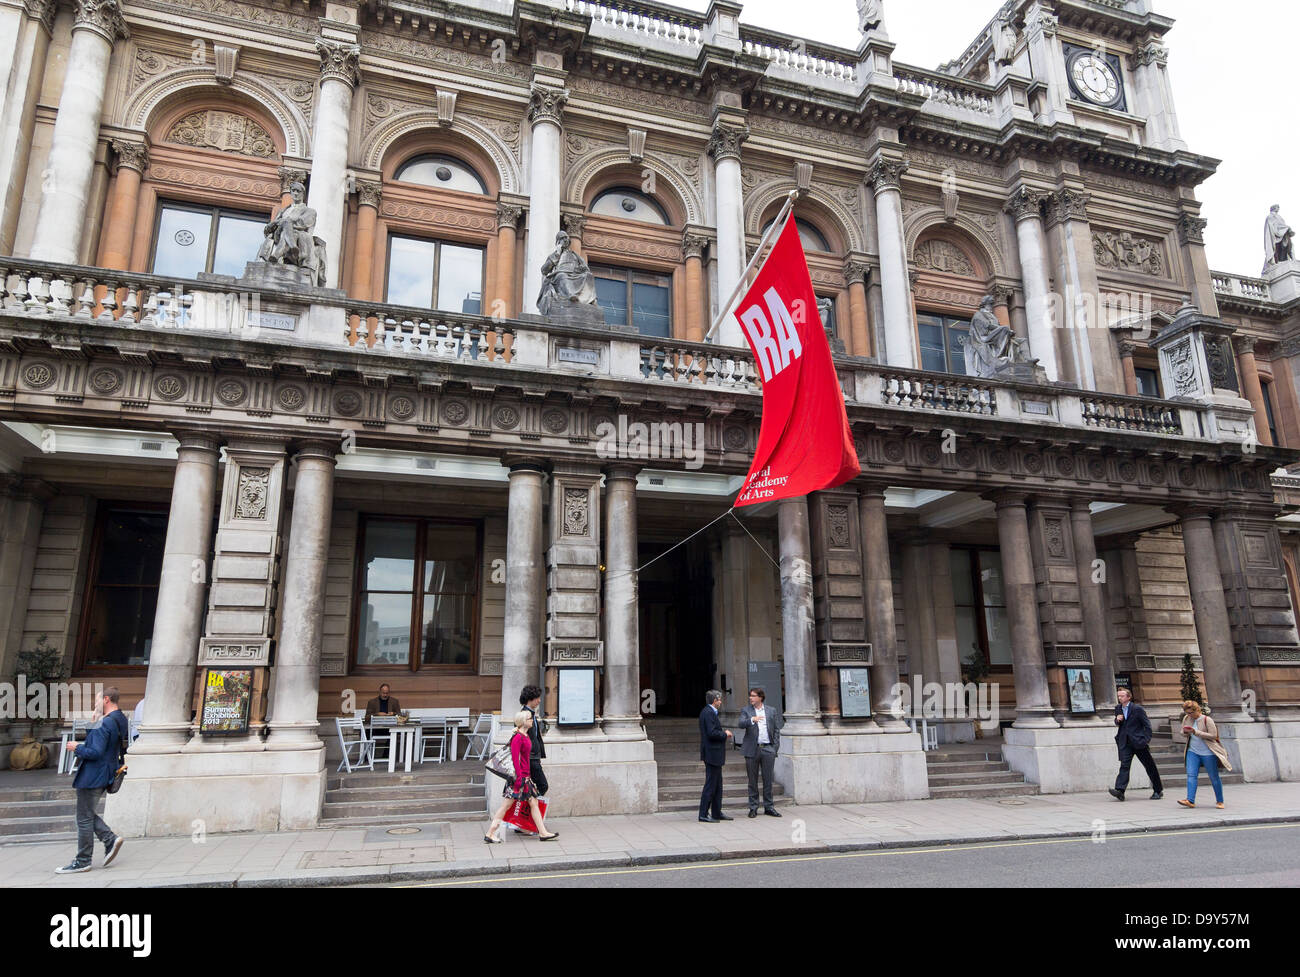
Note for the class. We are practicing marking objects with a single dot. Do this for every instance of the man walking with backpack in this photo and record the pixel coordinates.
(100, 757)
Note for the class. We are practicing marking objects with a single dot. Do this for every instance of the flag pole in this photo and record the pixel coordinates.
(778, 225)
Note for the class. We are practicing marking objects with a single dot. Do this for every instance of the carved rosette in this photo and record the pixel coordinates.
(250, 502)
(509, 215)
(1191, 229)
(547, 105)
(886, 174)
(726, 141)
(1024, 203)
(131, 155)
(339, 61)
(1067, 205)
(102, 16)
(856, 271)
(369, 193)
(290, 175)
(694, 245)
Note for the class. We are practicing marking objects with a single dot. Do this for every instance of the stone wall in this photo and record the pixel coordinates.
(58, 581)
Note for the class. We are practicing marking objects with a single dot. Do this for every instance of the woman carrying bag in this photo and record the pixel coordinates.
(1203, 750)
(522, 788)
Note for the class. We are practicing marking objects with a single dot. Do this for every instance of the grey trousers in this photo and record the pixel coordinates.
(765, 761)
(89, 824)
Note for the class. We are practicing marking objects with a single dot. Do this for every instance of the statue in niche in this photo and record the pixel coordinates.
(1277, 238)
(289, 239)
(871, 13)
(566, 281)
(992, 349)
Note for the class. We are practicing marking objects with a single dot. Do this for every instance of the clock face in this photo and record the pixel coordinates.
(1094, 79)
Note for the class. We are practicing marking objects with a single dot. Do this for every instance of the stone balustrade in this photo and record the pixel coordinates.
(925, 391)
(612, 18)
(798, 56)
(1239, 286)
(946, 90)
(378, 328)
(1131, 414)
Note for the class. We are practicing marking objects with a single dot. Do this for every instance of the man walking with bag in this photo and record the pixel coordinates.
(762, 728)
(1134, 739)
(100, 757)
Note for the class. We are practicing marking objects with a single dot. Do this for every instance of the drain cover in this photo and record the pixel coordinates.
(403, 831)
(1012, 802)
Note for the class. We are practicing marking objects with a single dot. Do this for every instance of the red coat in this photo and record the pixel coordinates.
(520, 751)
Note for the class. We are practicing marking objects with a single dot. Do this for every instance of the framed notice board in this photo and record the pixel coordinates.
(227, 697)
(855, 693)
(576, 697)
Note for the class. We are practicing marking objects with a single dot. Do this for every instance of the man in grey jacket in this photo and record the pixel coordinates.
(762, 726)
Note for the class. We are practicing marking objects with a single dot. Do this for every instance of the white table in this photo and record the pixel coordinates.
(453, 724)
(401, 737)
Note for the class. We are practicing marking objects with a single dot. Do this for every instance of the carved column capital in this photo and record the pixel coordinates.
(694, 245)
(369, 193)
(131, 155)
(726, 141)
(102, 16)
(44, 11)
(1244, 344)
(855, 271)
(339, 61)
(574, 225)
(1151, 53)
(886, 173)
(509, 215)
(1025, 202)
(289, 175)
(1067, 205)
(547, 104)
(1191, 229)
(1127, 348)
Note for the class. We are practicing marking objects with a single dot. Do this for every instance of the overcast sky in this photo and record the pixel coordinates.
(1233, 76)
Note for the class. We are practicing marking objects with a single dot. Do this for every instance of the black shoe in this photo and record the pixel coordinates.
(725, 817)
(110, 851)
(73, 867)
(1117, 794)
(1158, 795)
(772, 812)
(753, 814)
(709, 820)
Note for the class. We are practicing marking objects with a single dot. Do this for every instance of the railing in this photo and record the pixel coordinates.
(945, 89)
(798, 55)
(1255, 289)
(958, 65)
(675, 26)
(681, 364)
(1130, 414)
(75, 292)
(424, 332)
(929, 392)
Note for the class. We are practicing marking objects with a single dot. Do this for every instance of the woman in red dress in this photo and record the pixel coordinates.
(522, 789)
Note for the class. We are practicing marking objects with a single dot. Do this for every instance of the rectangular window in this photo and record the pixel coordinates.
(418, 594)
(980, 601)
(1148, 382)
(1267, 389)
(435, 275)
(192, 239)
(634, 298)
(943, 343)
(122, 586)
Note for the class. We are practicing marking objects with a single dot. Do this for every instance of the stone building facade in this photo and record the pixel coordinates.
(405, 475)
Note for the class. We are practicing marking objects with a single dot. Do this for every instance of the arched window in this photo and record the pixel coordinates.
(629, 204)
(442, 172)
(812, 239)
(950, 277)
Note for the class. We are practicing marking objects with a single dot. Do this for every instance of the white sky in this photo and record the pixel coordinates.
(1233, 76)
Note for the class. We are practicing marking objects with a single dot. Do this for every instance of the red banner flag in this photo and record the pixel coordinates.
(804, 443)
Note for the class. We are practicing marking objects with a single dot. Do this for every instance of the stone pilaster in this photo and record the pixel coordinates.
(1060, 615)
(1096, 627)
(878, 582)
(622, 708)
(798, 630)
(22, 511)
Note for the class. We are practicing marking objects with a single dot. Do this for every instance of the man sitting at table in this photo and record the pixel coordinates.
(383, 704)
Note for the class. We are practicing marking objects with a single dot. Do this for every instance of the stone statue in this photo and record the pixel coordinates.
(992, 349)
(566, 281)
(1277, 238)
(1004, 39)
(871, 13)
(289, 239)
(825, 310)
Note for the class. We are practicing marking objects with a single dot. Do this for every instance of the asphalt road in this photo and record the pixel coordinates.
(1242, 857)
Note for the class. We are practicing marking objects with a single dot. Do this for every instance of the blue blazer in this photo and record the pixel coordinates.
(713, 738)
(99, 752)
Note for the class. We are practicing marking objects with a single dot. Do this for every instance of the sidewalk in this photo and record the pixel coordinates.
(377, 855)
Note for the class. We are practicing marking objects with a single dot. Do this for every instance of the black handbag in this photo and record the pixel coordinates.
(120, 774)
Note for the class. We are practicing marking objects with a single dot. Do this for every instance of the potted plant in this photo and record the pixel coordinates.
(973, 671)
(1189, 689)
(43, 665)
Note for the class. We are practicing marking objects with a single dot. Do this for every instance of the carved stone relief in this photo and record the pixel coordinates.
(576, 503)
(837, 521)
(943, 256)
(1124, 251)
(250, 502)
(225, 131)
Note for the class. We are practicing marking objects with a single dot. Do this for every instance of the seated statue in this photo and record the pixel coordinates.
(992, 347)
(289, 239)
(566, 280)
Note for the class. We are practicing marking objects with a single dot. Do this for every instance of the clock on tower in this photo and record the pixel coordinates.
(1095, 77)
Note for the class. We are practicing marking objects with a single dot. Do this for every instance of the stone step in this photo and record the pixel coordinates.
(27, 826)
(399, 779)
(957, 779)
(40, 838)
(986, 790)
(405, 793)
(964, 766)
(38, 808)
(12, 794)
(739, 792)
(395, 821)
(382, 809)
(730, 804)
(964, 756)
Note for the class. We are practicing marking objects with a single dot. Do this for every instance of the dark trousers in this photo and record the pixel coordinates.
(763, 763)
(539, 778)
(89, 824)
(711, 798)
(1126, 755)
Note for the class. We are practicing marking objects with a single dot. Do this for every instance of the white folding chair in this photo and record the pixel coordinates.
(479, 739)
(363, 744)
(433, 741)
(68, 762)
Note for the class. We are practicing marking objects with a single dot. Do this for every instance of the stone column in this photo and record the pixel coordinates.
(1033, 704)
(182, 587)
(693, 247)
(922, 646)
(622, 707)
(1096, 626)
(33, 24)
(339, 74)
(1210, 610)
(132, 158)
(879, 585)
(886, 175)
(522, 641)
(293, 716)
(1249, 369)
(1196, 266)
(1126, 350)
(363, 258)
(545, 114)
(508, 217)
(797, 623)
(855, 273)
(1135, 607)
(66, 186)
(1026, 206)
(724, 147)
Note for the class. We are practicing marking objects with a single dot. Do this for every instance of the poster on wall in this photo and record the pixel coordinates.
(576, 701)
(855, 693)
(227, 697)
(1123, 680)
(1079, 683)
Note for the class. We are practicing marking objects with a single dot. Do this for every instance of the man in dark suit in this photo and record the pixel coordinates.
(762, 726)
(531, 699)
(383, 704)
(713, 751)
(1134, 739)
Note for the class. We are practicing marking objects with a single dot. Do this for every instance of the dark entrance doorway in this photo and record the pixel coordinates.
(676, 609)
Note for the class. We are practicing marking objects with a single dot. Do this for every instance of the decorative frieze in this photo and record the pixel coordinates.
(1125, 251)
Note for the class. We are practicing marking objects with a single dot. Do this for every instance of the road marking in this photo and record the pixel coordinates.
(745, 862)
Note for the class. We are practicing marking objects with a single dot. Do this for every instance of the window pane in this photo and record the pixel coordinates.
(445, 630)
(451, 555)
(629, 205)
(384, 633)
(991, 578)
(182, 249)
(442, 172)
(131, 548)
(930, 332)
(389, 556)
(963, 587)
(1148, 383)
(958, 334)
(968, 638)
(238, 241)
(611, 295)
(410, 271)
(999, 628)
(460, 284)
(651, 312)
(121, 626)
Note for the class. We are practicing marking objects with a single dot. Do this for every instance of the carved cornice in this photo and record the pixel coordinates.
(339, 61)
(369, 193)
(694, 245)
(289, 175)
(509, 215)
(1067, 205)
(131, 155)
(1191, 229)
(1025, 202)
(886, 174)
(726, 141)
(547, 104)
(102, 16)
